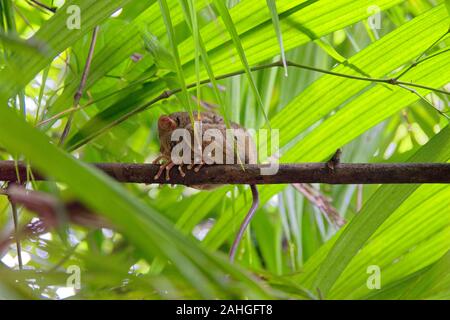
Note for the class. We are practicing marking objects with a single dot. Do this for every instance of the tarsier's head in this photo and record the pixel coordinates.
(167, 124)
(177, 120)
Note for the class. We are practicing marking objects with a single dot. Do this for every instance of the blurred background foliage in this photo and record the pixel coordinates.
(171, 242)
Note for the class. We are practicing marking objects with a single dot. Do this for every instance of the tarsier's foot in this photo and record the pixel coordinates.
(161, 169)
(180, 170)
(197, 168)
(198, 163)
(168, 167)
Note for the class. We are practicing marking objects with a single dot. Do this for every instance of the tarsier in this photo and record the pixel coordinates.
(209, 121)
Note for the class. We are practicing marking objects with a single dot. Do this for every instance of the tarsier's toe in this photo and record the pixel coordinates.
(169, 166)
(197, 168)
(167, 175)
(180, 170)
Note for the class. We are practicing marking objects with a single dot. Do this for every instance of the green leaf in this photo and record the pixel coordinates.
(433, 284)
(329, 49)
(147, 230)
(417, 233)
(163, 58)
(191, 18)
(362, 113)
(57, 37)
(121, 47)
(380, 206)
(186, 102)
(228, 21)
(329, 92)
(259, 45)
(276, 24)
(17, 44)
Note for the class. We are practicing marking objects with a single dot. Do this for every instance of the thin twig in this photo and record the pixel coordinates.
(79, 92)
(43, 5)
(418, 59)
(64, 112)
(169, 93)
(245, 223)
(426, 100)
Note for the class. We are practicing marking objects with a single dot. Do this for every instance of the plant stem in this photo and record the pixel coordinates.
(42, 5)
(418, 59)
(168, 93)
(79, 92)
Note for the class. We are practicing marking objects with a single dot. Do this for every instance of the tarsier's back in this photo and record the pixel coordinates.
(238, 144)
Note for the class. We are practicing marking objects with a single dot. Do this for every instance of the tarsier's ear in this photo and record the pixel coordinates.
(166, 123)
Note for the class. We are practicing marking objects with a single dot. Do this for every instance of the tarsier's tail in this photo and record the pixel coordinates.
(245, 223)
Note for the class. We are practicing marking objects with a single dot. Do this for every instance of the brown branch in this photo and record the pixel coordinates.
(51, 211)
(79, 93)
(344, 173)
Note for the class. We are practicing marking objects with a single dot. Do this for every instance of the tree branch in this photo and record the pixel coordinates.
(51, 211)
(344, 173)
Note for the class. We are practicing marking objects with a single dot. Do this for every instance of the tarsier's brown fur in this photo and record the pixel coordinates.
(209, 120)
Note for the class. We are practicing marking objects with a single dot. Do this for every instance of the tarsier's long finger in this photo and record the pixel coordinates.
(160, 171)
(197, 168)
(168, 167)
(180, 170)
